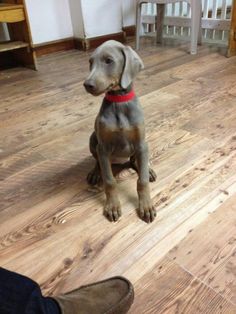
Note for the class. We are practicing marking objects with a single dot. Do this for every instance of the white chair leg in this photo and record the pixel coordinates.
(160, 22)
(138, 24)
(196, 11)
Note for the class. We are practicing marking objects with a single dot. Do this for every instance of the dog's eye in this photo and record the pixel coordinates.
(108, 60)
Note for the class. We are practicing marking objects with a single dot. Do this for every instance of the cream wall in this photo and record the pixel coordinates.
(58, 19)
(101, 17)
(49, 20)
(128, 12)
(77, 18)
(92, 18)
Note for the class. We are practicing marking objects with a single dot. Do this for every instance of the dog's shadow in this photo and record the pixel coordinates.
(66, 174)
(120, 172)
(73, 176)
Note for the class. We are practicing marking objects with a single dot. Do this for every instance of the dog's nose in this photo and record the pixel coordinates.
(89, 86)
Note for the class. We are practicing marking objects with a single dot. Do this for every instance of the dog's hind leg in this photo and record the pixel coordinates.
(94, 176)
(152, 175)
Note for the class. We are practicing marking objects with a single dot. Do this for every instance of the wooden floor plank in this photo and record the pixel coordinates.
(51, 225)
(213, 246)
(168, 288)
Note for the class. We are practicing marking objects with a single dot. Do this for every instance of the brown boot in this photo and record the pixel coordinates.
(112, 296)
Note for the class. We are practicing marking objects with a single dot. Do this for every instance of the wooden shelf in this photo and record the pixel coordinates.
(11, 13)
(12, 45)
(20, 43)
(8, 6)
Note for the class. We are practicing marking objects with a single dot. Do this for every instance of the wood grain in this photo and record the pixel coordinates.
(168, 288)
(7, 46)
(54, 46)
(52, 228)
(232, 33)
(12, 15)
(217, 267)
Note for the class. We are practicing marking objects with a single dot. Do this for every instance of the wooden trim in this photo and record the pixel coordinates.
(129, 30)
(91, 43)
(54, 46)
(232, 33)
(78, 43)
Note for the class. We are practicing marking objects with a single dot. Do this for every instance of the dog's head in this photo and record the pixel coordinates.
(112, 66)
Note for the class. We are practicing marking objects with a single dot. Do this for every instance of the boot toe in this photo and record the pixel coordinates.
(111, 296)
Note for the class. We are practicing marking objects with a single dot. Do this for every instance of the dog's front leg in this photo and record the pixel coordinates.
(146, 209)
(112, 209)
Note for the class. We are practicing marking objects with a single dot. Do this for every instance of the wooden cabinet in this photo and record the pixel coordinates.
(18, 50)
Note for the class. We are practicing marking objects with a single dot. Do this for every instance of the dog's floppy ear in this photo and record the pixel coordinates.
(132, 65)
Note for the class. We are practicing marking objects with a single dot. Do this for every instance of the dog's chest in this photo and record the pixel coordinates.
(116, 122)
(118, 134)
(120, 125)
(115, 125)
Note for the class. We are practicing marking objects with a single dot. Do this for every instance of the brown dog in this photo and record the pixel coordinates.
(119, 126)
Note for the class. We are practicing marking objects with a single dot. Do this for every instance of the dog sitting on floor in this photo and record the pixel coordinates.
(119, 126)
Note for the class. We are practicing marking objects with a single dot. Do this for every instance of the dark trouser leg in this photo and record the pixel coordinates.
(21, 295)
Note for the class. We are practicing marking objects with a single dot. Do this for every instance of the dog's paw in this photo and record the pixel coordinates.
(112, 210)
(152, 175)
(94, 177)
(146, 211)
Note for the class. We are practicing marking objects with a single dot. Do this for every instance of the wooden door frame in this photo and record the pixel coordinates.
(232, 33)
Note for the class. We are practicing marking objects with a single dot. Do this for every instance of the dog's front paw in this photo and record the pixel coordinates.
(112, 210)
(147, 211)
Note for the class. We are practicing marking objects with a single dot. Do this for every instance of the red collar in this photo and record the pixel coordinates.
(120, 98)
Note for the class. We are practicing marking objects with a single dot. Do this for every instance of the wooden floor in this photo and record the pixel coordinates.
(51, 223)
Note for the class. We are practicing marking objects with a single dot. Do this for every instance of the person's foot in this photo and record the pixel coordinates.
(112, 296)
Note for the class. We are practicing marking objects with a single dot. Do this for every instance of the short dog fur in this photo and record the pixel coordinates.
(119, 127)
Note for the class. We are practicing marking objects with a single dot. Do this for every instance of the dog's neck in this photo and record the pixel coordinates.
(120, 95)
